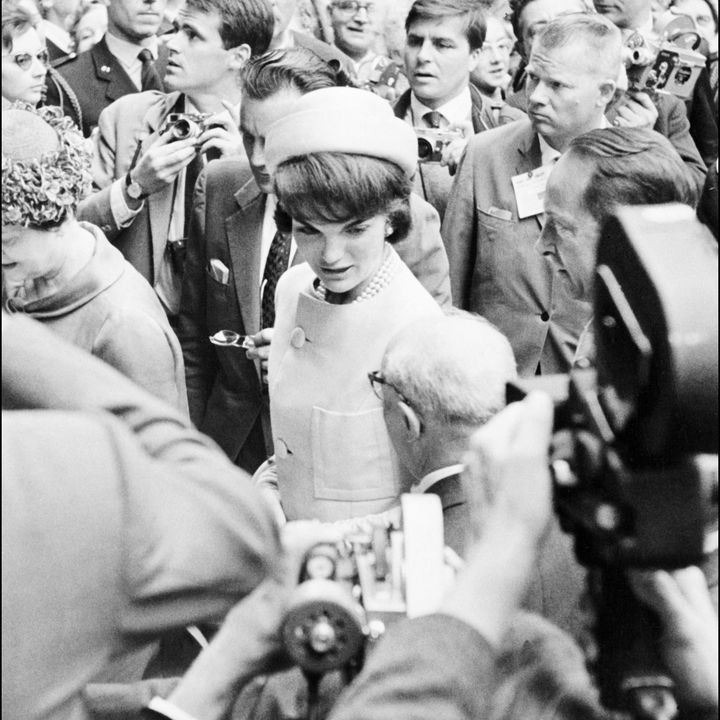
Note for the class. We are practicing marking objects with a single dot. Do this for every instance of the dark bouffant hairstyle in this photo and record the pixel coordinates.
(338, 187)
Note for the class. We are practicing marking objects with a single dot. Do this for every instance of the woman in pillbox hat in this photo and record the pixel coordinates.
(342, 167)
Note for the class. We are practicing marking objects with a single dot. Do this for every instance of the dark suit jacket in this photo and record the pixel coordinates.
(494, 267)
(98, 79)
(557, 581)
(433, 183)
(224, 392)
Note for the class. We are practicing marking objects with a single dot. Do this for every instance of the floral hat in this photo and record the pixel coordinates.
(45, 166)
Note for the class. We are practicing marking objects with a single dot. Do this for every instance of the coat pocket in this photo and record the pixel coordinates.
(352, 456)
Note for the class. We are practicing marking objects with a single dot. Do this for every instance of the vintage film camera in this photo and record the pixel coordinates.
(432, 142)
(350, 592)
(182, 126)
(672, 67)
(635, 444)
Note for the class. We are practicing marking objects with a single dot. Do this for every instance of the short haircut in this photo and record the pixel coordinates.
(601, 37)
(452, 369)
(470, 11)
(287, 69)
(16, 19)
(631, 166)
(338, 187)
(242, 22)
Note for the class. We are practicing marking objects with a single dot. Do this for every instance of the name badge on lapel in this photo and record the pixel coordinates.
(529, 190)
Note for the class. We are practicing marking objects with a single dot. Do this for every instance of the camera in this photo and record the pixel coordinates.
(432, 142)
(634, 452)
(183, 126)
(671, 67)
(351, 591)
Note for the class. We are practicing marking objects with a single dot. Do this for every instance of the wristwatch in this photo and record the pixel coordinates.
(134, 189)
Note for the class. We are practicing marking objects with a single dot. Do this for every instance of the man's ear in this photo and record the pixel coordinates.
(607, 91)
(413, 423)
(239, 56)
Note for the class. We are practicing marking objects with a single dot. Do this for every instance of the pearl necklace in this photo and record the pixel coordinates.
(379, 281)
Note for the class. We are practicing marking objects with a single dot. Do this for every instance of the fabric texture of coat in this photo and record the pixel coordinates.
(334, 457)
(108, 310)
(494, 268)
(106, 492)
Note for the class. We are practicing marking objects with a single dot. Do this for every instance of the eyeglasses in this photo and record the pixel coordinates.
(352, 7)
(377, 381)
(25, 60)
(504, 47)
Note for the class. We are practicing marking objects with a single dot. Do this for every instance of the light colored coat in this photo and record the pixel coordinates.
(334, 457)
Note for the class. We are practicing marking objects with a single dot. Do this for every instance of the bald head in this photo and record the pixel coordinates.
(452, 369)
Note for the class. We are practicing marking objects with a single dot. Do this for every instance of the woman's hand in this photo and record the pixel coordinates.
(261, 351)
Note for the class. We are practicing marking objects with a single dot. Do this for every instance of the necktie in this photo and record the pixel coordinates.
(433, 118)
(149, 80)
(275, 266)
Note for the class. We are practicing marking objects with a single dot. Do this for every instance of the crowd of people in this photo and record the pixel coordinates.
(309, 243)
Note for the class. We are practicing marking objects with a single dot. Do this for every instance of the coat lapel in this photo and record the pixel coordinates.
(110, 72)
(529, 158)
(244, 236)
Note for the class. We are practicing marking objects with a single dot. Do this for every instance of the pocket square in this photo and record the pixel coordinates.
(218, 271)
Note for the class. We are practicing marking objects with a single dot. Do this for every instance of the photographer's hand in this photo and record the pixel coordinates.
(248, 642)
(161, 163)
(636, 109)
(690, 638)
(509, 492)
(261, 351)
(222, 134)
(454, 150)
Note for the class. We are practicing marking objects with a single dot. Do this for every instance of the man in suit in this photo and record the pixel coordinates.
(101, 483)
(661, 112)
(128, 59)
(145, 175)
(235, 256)
(494, 216)
(443, 43)
(440, 381)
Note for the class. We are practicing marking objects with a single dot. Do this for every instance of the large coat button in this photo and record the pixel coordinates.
(297, 338)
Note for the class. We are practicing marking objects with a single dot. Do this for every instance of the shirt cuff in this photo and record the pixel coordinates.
(165, 710)
(122, 214)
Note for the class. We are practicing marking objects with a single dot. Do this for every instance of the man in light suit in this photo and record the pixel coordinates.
(495, 212)
(233, 235)
(145, 175)
(112, 68)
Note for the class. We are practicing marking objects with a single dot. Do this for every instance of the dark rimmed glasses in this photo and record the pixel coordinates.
(352, 7)
(377, 381)
(25, 60)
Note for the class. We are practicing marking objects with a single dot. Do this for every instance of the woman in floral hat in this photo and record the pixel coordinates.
(65, 273)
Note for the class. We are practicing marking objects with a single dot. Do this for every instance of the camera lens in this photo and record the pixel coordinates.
(425, 149)
(182, 129)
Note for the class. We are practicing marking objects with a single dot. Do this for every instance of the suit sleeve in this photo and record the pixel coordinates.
(423, 251)
(200, 360)
(427, 668)
(458, 229)
(97, 208)
(673, 123)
